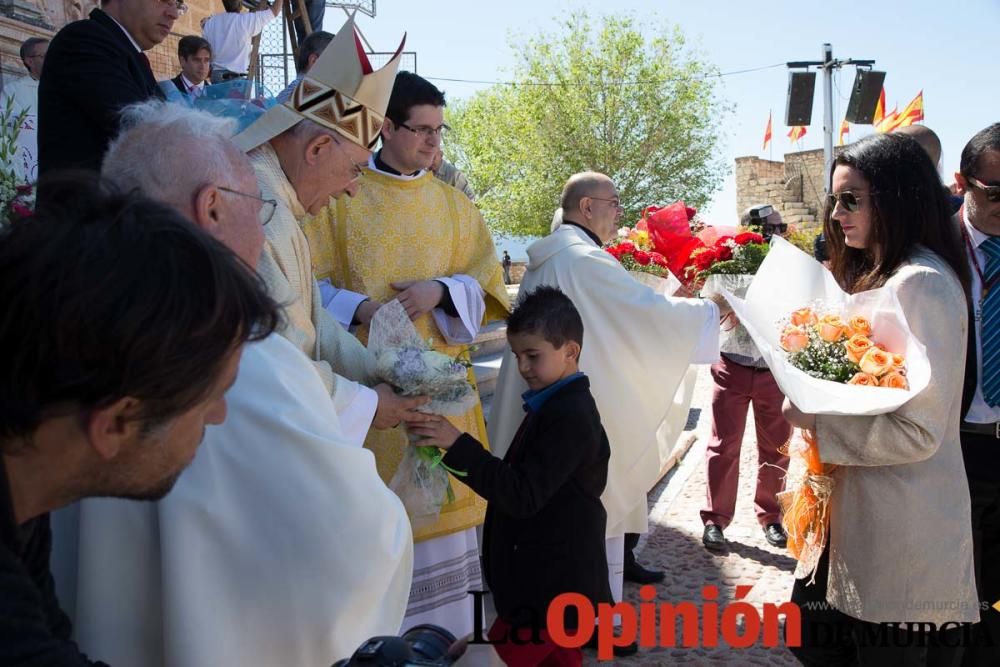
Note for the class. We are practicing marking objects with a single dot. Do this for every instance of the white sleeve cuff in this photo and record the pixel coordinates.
(342, 304)
(467, 295)
(355, 405)
(707, 349)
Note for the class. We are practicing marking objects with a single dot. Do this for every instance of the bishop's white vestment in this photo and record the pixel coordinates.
(279, 545)
(637, 346)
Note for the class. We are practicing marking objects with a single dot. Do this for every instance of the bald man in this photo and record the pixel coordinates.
(634, 376)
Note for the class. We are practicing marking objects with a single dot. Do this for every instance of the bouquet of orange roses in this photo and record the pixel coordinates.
(831, 347)
(840, 355)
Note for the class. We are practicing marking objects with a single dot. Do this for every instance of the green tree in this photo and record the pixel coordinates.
(597, 95)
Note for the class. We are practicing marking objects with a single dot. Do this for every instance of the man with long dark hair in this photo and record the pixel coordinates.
(103, 393)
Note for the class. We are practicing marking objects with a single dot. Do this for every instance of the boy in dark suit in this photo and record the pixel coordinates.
(195, 56)
(545, 524)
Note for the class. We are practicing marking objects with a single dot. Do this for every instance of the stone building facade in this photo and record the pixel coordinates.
(21, 19)
(795, 187)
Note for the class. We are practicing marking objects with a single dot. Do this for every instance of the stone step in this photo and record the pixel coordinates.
(491, 339)
(486, 370)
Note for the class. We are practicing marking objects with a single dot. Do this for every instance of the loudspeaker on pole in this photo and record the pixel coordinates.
(798, 110)
(864, 96)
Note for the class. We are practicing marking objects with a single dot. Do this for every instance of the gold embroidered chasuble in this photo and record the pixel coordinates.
(397, 230)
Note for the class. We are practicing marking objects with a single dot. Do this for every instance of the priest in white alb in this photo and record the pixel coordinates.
(639, 346)
(279, 544)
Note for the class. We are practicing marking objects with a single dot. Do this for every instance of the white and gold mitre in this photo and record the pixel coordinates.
(340, 92)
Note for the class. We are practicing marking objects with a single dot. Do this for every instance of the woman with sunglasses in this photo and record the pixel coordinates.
(900, 541)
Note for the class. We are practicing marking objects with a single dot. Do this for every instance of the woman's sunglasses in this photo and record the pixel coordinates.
(849, 200)
(992, 192)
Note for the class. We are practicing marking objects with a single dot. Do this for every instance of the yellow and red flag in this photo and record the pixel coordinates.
(913, 112)
(797, 133)
(845, 128)
(767, 132)
(879, 109)
(888, 121)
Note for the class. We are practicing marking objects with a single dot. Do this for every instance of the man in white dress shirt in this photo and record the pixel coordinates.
(230, 33)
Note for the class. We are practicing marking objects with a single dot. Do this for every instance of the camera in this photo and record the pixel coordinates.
(420, 645)
(758, 219)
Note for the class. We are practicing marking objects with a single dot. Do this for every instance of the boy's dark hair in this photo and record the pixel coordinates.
(190, 45)
(548, 313)
(108, 295)
(408, 91)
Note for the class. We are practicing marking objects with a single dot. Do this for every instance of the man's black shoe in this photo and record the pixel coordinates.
(619, 651)
(713, 539)
(637, 574)
(775, 535)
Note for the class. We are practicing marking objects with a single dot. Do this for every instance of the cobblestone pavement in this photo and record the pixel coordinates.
(674, 545)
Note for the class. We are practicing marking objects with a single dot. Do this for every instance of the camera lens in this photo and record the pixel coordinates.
(430, 642)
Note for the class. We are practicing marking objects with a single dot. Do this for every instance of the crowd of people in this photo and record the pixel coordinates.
(197, 452)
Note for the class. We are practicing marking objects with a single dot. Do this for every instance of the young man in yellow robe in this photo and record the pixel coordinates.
(406, 235)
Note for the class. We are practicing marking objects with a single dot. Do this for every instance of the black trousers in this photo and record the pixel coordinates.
(985, 495)
(831, 638)
(631, 542)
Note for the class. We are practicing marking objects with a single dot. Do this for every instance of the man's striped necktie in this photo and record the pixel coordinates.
(990, 322)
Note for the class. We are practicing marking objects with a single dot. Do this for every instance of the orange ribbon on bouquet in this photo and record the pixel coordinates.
(807, 509)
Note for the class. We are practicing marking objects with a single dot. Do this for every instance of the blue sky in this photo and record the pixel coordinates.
(948, 49)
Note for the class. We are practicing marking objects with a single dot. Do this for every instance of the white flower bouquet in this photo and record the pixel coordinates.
(405, 361)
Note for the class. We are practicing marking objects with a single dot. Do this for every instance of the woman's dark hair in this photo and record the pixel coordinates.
(548, 313)
(108, 295)
(909, 208)
(408, 91)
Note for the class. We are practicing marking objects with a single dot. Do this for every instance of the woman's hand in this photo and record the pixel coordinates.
(796, 417)
(437, 431)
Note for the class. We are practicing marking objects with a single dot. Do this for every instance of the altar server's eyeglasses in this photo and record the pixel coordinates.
(267, 208)
(992, 192)
(177, 4)
(426, 132)
(851, 201)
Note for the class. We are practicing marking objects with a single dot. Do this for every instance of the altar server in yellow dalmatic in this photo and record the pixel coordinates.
(406, 235)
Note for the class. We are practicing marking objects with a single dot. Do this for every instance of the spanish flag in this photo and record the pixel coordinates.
(797, 133)
(845, 128)
(767, 132)
(888, 121)
(913, 112)
(879, 109)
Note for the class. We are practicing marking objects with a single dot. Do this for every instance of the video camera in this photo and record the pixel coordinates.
(758, 220)
(420, 646)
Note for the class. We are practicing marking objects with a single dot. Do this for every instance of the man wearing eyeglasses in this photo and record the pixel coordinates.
(978, 181)
(302, 552)
(406, 235)
(94, 68)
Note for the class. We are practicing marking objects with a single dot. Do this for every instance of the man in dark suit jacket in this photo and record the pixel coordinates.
(93, 69)
(979, 221)
(195, 56)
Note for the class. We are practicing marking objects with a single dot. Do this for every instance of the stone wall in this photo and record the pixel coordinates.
(796, 187)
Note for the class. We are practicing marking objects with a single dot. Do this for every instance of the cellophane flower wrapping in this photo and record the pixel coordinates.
(405, 361)
(789, 279)
(734, 339)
